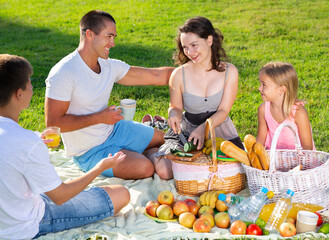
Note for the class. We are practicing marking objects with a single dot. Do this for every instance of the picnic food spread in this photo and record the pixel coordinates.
(209, 211)
(215, 204)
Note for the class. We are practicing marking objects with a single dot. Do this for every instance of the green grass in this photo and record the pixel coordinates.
(255, 32)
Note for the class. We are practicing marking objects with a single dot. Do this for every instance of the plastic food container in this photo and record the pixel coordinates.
(306, 221)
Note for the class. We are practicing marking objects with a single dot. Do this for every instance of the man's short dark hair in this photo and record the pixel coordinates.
(94, 21)
(15, 72)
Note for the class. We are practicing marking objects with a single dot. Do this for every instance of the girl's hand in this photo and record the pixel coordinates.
(112, 161)
(174, 120)
(197, 136)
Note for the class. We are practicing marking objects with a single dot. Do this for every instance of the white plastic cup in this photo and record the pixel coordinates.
(306, 221)
(128, 108)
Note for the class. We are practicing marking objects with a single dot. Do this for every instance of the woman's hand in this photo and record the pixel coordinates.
(198, 136)
(174, 119)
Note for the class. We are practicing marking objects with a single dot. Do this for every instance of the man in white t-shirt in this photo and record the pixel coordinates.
(78, 89)
(33, 199)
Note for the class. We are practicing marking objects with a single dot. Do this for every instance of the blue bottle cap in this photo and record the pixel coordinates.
(264, 190)
(222, 197)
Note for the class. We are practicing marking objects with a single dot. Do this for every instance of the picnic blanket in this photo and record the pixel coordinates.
(130, 222)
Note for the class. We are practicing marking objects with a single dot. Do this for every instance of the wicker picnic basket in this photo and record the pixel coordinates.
(204, 174)
(311, 184)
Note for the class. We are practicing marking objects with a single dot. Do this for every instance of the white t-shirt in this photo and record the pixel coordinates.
(88, 92)
(25, 173)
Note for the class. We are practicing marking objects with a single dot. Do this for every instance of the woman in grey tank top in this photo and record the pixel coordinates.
(203, 86)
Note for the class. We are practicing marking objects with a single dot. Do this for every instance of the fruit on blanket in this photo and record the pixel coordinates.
(268, 209)
(320, 220)
(287, 229)
(238, 227)
(254, 229)
(193, 207)
(290, 220)
(201, 225)
(222, 220)
(166, 197)
(186, 219)
(209, 217)
(164, 212)
(209, 198)
(180, 207)
(188, 200)
(206, 209)
(221, 206)
(151, 207)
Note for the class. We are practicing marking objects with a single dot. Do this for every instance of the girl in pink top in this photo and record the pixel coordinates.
(278, 88)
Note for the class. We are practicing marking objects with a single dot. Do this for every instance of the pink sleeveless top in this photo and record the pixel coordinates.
(286, 138)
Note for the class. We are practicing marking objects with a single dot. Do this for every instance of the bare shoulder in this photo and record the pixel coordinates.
(301, 113)
(262, 107)
(176, 77)
(233, 73)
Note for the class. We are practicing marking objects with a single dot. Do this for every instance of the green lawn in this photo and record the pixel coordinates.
(255, 32)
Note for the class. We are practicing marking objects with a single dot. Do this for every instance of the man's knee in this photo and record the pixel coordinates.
(165, 173)
(146, 169)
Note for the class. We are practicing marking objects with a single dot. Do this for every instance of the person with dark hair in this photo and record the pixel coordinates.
(77, 94)
(33, 199)
(203, 86)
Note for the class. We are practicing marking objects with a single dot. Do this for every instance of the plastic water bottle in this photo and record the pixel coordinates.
(280, 212)
(254, 207)
(230, 199)
(249, 207)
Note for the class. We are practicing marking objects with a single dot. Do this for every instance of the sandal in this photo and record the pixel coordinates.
(160, 123)
(148, 120)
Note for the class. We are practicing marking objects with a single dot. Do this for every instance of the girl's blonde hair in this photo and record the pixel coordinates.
(283, 74)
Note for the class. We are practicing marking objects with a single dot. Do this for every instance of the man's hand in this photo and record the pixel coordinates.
(110, 116)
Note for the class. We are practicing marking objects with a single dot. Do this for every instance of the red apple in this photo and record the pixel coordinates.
(164, 212)
(186, 219)
(254, 229)
(151, 207)
(201, 225)
(287, 229)
(188, 200)
(222, 220)
(238, 227)
(209, 217)
(193, 207)
(206, 209)
(180, 207)
(166, 197)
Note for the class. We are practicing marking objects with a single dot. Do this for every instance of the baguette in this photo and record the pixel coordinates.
(249, 141)
(254, 160)
(231, 150)
(262, 154)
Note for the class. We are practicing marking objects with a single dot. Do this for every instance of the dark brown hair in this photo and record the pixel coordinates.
(15, 72)
(203, 28)
(94, 21)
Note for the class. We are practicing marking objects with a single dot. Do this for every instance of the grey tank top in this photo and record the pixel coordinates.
(196, 104)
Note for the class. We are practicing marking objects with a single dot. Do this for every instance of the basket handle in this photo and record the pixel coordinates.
(210, 129)
(275, 141)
